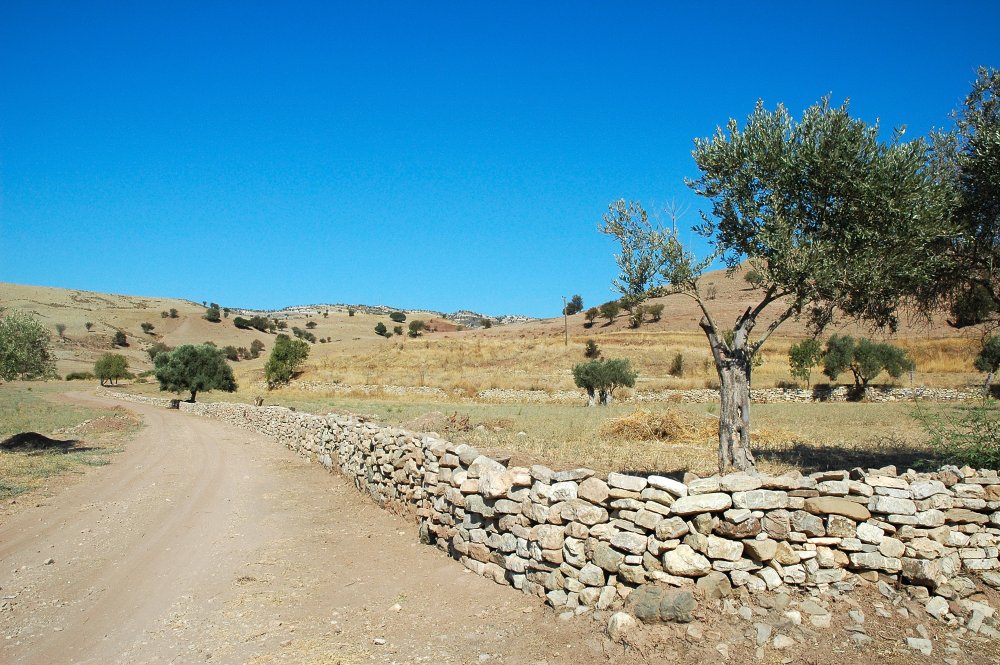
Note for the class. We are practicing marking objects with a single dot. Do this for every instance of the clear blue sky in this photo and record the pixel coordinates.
(426, 154)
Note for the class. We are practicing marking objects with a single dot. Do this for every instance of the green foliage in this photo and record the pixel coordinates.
(120, 339)
(164, 314)
(864, 358)
(61, 329)
(677, 365)
(972, 306)
(416, 327)
(802, 357)
(80, 376)
(610, 310)
(256, 347)
(380, 329)
(89, 325)
(285, 358)
(603, 377)
(25, 351)
(965, 433)
(591, 350)
(191, 368)
(311, 325)
(988, 358)
(485, 323)
(637, 315)
(156, 349)
(173, 313)
(231, 353)
(111, 367)
(655, 311)
(753, 277)
(397, 317)
(350, 311)
(590, 315)
(397, 330)
(639, 259)
(212, 314)
(147, 327)
(574, 306)
(242, 323)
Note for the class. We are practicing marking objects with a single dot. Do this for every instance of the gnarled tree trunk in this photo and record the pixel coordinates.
(734, 416)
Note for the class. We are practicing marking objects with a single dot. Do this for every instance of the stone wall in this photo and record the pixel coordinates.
(581, 539)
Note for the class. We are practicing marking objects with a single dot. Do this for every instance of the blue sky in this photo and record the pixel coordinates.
(443, 155)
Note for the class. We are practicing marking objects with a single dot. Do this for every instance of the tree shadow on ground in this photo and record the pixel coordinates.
(33, 442)
(876, 453)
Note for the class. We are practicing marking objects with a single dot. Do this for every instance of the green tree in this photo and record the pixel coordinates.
(397, 317)
(286, 356)
(610, 310)
(212, 314)
(802, 357)
(485, 322)
(967, 158)
(380, 329)
(311, 324)
(574, 306)
(156, 349)
(173, 312)
(194, 368)
(25, 348)
(590, 315)
(864, 358)
(256, 347)
(836, 222)
(147, 327)
(640, 257)
(232, 353)
(397, 330)
(120, 339)
(600, 378)
(111, 367)
(416, 327)
(988, 359)
(655, 311)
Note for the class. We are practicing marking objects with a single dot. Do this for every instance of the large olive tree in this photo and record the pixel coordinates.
(25, 350)
(832, 219)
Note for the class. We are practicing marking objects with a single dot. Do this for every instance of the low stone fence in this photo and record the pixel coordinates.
(584, 540)
(762, 396)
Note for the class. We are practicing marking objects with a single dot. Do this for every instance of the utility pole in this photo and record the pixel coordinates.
(565, 321)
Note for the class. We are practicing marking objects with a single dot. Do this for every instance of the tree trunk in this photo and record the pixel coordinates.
(734, 417)
(591, 399)
(605, 397)
(193, 393)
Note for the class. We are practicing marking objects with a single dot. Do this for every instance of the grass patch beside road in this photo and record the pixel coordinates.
(71, 439)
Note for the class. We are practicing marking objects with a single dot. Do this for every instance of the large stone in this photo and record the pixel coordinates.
(807, 523)
(494, 478)
(891, 548)
(739, 482)
(630, 542)
(564, 491)
(761, 499)
(701, 503)
(760, 550)
(722, 548)
(890, 505)
(965, 516)
(875, 561)
(777, 523)
(926, 572)
(607, 558)
(655, 604)
(593, 490)
(591, 575)
(831, 505)
(715, 585)
(549, 536)
(748, 528)
(678, 489)
(838, 526)
(630, 483)
(578, 510)
(923, 489)
(619, 626)
(671, 528)
(685, 562)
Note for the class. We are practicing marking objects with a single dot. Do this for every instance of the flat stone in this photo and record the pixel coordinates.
(655, 604)
(890, 505)
(702, 503)
(685, 562)
(965, 516)
(630, 542)
(760, 550)
(920, 644)
(739, 482)
(678, 489)
(760, 499)
(924, 489)
(671, 528)
(625, 482)
(831, 505)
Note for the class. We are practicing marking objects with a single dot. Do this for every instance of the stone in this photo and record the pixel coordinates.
(831, 505)
(593, 490)
(965, 516)
(629, 542)
(785, 555)
(760, 550)
(739, 482)
(655, 604)
(591, 575)
(671, 528)
(812, 607)
(722, 548)
(838, 526)
(549, 537)
(685, 562)
(748, 528)
(891, 547)
(563, 491)
(715, 585)
(920, 644)
(572, 474)
(890, 505)
(807, 523)
(678, 489)
(777, 524)
(869, 533)
(607, 558)
(760, 500)
(578, 510)
(701, 503)
(625, 482)
(782, 642)
(875, 561)
(924, 489)
(619, 626)
(937, 607)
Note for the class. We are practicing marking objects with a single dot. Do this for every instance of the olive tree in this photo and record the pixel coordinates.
(110, 367)
(834, 220)
(864, 358)
(600, 378)
(803, 356)
(988, 359)
(191, 368)
(286, 356)
(25, 351)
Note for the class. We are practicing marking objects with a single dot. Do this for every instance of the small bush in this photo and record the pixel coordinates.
(591, 350)
(80, 376)
(965, 433)
(89, 325)
(61, 329)
(397, 317)
(677, 365)
(398, 330)
(655, 311)
(610, 310)
(486, 323)
(164, 314)
(212, 314)
(232, 353)
(350, 311)
(120, 339)
(636, 317)
(416, 327)
(173, 313)
(256, 347)
(147, 327)
(311, 324)
(380, 329)
(157, 349)
(590, 315)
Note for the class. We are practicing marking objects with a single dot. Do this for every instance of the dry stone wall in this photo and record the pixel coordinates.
(580, 539)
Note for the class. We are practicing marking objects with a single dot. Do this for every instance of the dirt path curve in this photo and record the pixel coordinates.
(205, 543)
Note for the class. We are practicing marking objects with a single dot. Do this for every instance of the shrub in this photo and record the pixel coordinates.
(591, 350)
(311, 324)
(485, 323)
(655, 311)
(285, 358)
(256, 347)
(988, 358)
(164, 314)
(110, 367)
(326, 314)
(241, 323)
(157, 349)
(590, 315)
(397, 317)
(80, 376)
(89, 325)
(610, 310)
(212, 314)
(398, 330)
(232, 353)
(242, 353)
(194, 369)
(120, 339)
(677, 365)
(350, 311)
(416, 327)
(636, 317)
(225, 312)
(147, 327)
(753, 277)
(965, 433)
(602, 377)
(380, 329)
(61, 329)
(173, 313)
(802, 357)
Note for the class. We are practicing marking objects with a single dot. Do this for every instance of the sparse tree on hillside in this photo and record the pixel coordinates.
(834, 220)
(802, 357)
(574, 306)
(416, 327)
(147, 328)
(173, 313)
(610, 310)
(485, 322)
(397, 317)
(600, 378)
(284, 361)
(194, 369)
(864, 358)
(25, 351)
(397, 330)
(120, 339)
(590, 315)
(232, 353)
(212, 314)
(61, 330)
(156, 349)
(655, 311)
(311, 324)
(256, 347)
(380, 329)
(111, 367)
(89, 326)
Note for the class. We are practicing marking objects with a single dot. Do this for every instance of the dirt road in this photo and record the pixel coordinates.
(204, 543)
